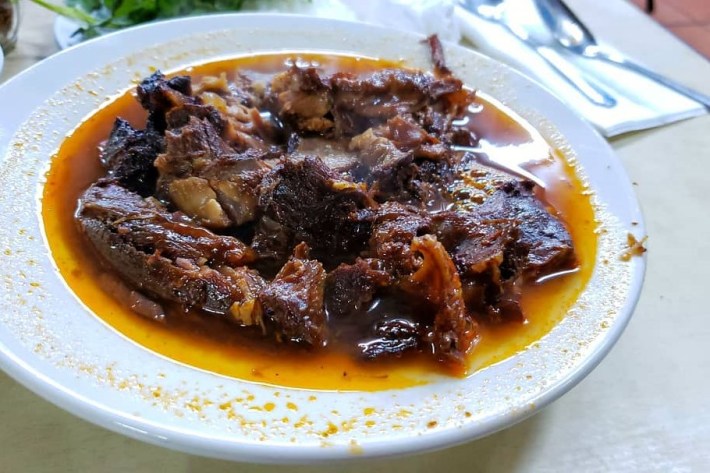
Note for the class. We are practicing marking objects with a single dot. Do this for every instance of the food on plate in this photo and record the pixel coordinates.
(321, 209)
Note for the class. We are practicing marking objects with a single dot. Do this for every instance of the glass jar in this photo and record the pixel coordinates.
(9, 23)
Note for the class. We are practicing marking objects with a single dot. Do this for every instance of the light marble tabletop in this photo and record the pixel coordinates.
(646, 408)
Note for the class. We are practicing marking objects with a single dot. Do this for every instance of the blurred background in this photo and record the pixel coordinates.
(689, 20)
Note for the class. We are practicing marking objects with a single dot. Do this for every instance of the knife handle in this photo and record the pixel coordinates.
(574, 77)
(644, 71)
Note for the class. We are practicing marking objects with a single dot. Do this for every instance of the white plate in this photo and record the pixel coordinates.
(50, 343)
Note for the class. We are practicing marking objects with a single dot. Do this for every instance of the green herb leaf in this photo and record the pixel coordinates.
(100, 16)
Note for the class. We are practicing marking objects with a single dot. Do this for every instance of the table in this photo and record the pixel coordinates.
(645, 408)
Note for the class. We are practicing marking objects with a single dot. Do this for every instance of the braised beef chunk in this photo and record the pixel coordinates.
(236, 111)
(272, 242)
(158, 95)
(320, 209)
(360, 102)
(303, 99)
(293, 301)
(549, 245)
(395, 226)
(235, 180)
(190, 148)
(241, 90)
(317, 206)
(409, 136)
(159, 252)
(488, 256)
(203, 177)
(347, 104)
(389, 170)
(129, 154)
(182, 114)
(403, 160)
(350, 287)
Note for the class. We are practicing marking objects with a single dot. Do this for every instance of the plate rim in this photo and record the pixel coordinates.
(196, 444)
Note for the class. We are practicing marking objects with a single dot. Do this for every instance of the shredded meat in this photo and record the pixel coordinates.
(453, 331)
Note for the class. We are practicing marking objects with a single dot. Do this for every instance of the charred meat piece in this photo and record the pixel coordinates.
(350, 287)
(171, 104)
(128, 157)
(158, 95)
(548, 242)
(453, 332)
(293, 301)
(317, 206)
(158, 252)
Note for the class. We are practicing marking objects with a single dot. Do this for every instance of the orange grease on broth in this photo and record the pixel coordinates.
(76, 166)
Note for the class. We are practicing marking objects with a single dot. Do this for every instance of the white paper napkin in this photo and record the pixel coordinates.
(641, 103)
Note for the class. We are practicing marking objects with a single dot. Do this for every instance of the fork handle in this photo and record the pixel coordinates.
(644, 71)
(571, 74)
